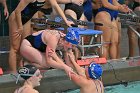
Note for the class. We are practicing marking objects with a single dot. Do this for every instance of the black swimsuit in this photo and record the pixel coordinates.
(30, 10)
(36, 42)
(79, 10)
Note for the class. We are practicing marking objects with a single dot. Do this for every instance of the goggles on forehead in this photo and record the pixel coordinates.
(27, 75)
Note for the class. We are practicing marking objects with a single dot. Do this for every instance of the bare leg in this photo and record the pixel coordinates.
(114, 41)
(138, 10)
(139, 41)
(15, 38)
(26, 32)
(119, 37)
(104, 17)
(132, 42)
(33, 55)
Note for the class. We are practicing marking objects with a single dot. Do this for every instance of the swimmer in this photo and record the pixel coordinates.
(32, 77)
(20, 25)
(87, 78)
(40, 48)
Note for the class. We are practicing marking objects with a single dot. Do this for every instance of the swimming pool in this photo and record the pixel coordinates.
(132, 87)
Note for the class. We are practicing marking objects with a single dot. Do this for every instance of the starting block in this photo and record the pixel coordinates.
(1, 71)
(90, 25)
(87, 61)
(88, 32)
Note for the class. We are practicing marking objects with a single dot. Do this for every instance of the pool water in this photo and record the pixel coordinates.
(132, 87)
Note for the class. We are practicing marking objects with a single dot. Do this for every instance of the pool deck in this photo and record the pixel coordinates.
(57, 81)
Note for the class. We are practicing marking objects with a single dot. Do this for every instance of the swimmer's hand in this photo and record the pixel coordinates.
(68, 70)
(124, 8)
(6, 13)
(69, 23)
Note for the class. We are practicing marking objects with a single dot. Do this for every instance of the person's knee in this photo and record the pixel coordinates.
(114, 42)
(102, 16)
(14, 49)
(106, 45)
(132, 36)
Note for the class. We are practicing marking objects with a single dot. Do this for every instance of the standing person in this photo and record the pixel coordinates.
(32, 77)
(131, 35)
(6, 13)
(19, 24)
(77, 12)
(74, 10)
(96, 4)
(47, 8)
(38, 47)
(107, 15)
(87, 78)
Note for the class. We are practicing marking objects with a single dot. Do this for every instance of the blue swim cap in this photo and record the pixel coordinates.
(73, 37)
(95, 70)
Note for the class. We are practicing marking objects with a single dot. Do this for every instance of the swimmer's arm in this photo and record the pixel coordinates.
(116, 3)
(79, 80)
(51, 56)
(55, 64)
(122, 8)
(80, 70)
(106, 4)
(22, 4)
(55, 5)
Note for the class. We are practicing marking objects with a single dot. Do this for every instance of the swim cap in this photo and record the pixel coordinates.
(95, 70)
(72, 36)
(27, 71)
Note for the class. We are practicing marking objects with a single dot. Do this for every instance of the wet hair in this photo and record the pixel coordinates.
(27, 71)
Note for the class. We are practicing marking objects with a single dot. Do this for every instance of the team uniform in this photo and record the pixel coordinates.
(30, 10)
(113, 13)
(79, 10)
(88, 10)
(36, 42)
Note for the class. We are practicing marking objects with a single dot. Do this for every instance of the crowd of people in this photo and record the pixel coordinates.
(38, 48)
